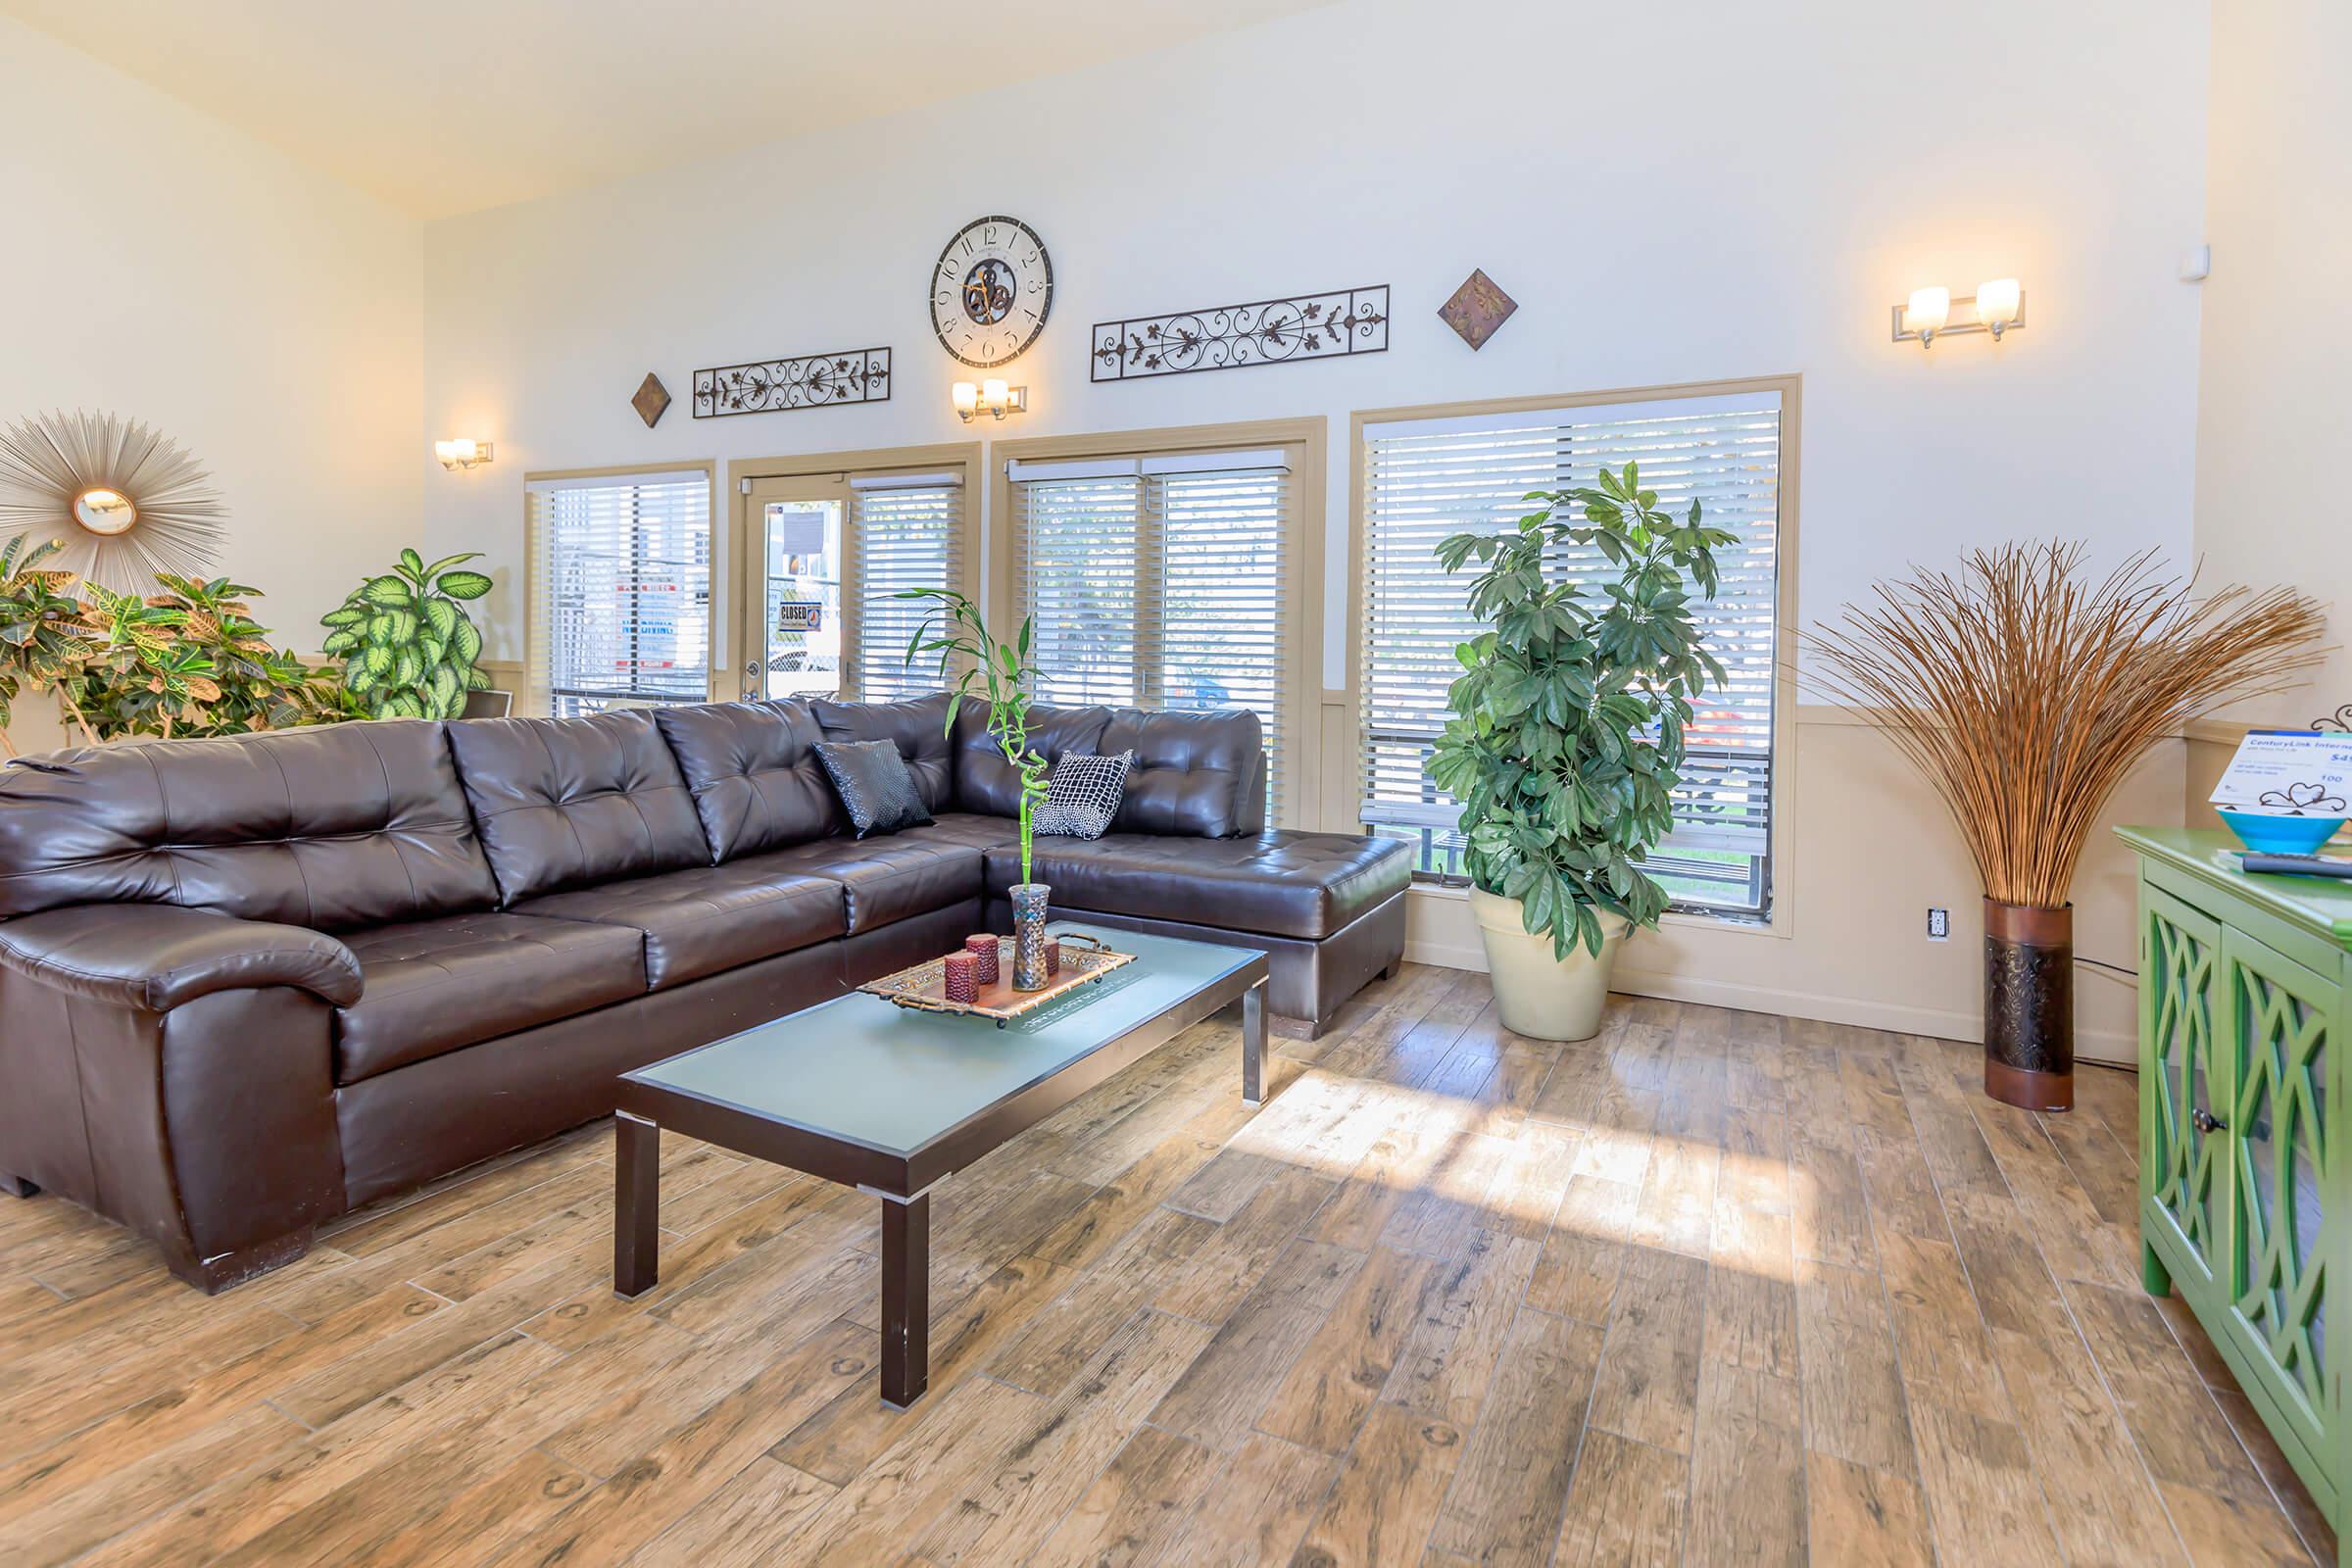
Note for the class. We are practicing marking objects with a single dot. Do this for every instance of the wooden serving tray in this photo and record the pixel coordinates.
(924, 987)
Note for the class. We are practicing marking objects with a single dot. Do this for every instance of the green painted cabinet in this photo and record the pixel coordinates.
(2244, 1213)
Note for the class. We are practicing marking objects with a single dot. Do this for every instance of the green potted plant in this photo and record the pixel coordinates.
(1566, 740)
(43, 639)
(952, 630)
(407, 648)
(191, 661)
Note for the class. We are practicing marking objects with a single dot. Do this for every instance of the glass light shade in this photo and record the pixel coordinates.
(966, 396)
(1997, 302)
(463, 449)
(105, 513)
(446, 451)
(1928, 310)
(996, 396)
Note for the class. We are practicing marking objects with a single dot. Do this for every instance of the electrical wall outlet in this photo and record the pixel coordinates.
(1940, 925)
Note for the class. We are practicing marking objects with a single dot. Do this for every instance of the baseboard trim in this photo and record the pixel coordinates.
(2091, 1045)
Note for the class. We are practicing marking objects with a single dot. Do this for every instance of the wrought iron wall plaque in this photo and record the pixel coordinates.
(811, 382)
(1231, 337)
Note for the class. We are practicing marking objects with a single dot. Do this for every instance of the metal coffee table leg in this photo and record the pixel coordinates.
(636, 1204)
(906, 1299)
(1254, 1043)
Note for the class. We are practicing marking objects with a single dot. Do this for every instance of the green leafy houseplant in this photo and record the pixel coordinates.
(43, 640)
(1566, 739)
(188, 661)
(407, 648)
(954, 630)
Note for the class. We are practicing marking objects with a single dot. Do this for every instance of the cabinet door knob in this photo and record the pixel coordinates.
(2206, 1121)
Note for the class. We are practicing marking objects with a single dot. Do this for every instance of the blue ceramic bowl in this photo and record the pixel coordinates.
(2266, 834)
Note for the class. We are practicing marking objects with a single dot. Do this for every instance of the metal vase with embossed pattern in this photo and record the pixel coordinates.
(1028, 935)
(2029, 1006)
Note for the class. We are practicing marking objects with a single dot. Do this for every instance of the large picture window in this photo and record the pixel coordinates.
(1159, 581)
(909, 532)
(620, 590)
(1425, 478)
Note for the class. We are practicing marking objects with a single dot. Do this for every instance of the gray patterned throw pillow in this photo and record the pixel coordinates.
(874, 786)
(1083, 795)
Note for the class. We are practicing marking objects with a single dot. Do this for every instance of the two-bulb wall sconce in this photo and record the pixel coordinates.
(463, 453)
(1932, 312)
(991, 398)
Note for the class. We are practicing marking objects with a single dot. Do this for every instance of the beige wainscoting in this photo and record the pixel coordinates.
(2212, 741)
(1867, 848)
(33, 725)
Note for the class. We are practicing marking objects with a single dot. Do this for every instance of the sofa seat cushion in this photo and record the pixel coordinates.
(979, 831)
(710, 917)
(888, 879)
(1283, 883)
(433, 986)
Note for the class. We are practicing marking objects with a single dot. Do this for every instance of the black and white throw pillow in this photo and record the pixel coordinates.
(874, 786)
(1083, 795)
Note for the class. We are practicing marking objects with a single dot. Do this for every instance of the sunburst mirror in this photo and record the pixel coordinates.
(122, 502)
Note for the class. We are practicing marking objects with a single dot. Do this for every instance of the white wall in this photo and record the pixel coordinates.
(1671, 193)
(2273, 421)
(269, 318)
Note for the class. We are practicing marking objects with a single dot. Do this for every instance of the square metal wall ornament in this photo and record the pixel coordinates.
(1477, 309)
(652, 400)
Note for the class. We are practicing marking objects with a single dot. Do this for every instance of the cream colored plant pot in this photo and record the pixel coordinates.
(1538, 995)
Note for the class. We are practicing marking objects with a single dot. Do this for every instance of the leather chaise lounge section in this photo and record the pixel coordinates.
(247, 985)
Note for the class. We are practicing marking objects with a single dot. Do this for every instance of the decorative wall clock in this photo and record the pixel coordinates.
(991, 291)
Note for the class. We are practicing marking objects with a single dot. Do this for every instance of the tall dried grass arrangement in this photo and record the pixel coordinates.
(2023, 692)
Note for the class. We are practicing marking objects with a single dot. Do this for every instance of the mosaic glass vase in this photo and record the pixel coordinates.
(1028, 935)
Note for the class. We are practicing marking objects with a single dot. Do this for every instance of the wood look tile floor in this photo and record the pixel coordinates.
(1711, 1289)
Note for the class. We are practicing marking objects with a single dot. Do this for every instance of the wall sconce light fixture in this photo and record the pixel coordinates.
(1932, 313)
(991, 397)
(463, 453)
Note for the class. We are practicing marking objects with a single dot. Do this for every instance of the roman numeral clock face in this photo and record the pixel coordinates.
(991, 291)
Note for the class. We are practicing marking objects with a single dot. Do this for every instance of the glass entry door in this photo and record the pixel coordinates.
(791, 585)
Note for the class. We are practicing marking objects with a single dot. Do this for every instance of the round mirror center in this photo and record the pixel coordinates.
(105, 511)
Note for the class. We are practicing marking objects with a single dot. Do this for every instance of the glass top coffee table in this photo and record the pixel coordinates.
(893, 1101)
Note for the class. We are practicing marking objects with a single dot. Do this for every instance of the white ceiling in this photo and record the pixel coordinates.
(447, 106)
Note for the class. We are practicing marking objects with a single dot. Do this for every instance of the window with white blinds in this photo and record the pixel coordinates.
(620, 586)
(1428, 478)
(906, 533)
(1158, 582)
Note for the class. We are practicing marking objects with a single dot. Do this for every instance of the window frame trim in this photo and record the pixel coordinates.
(1308, 524)
(1342, 786)
(964, 458)
(534, 699)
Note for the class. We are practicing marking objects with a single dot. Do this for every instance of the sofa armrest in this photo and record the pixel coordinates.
(155, 956)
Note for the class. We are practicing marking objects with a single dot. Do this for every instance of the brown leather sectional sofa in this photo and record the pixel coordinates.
(246, 985)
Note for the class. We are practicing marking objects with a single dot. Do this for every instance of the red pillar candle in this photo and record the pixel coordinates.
(984, 949)
(963, 980)
(1053, 957)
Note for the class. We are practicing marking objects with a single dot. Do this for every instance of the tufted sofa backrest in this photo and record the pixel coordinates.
(752, 767)
(566, 803)
(334, 827)
(917, 726)
(1198, 774)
